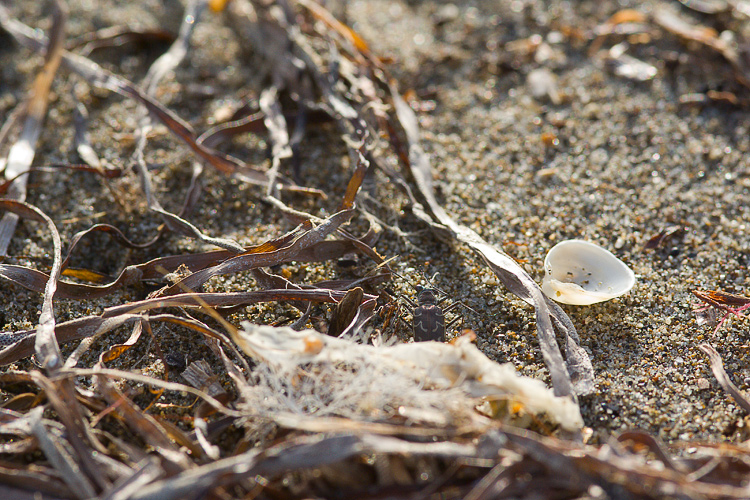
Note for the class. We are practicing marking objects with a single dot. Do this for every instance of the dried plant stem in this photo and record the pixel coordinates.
(22, 153)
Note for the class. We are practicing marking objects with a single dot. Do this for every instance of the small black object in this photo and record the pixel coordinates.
(429, 322)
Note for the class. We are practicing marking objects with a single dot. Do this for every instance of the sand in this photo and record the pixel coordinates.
(595, 156)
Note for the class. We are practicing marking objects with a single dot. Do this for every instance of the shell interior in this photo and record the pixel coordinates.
(580, 273)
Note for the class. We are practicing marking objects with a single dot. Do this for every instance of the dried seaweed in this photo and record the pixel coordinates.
(351, 414)
(22, 153)
(20, 344)
(301, 244)
(730, 303)
(116, 36)
(578, 362)
(101, 78)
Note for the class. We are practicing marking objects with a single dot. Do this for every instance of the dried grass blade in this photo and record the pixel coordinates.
(46, 346)
(117, 36)
(60, 458)
(180, 437)
(669, 21)
(278, 134)
(112, 232)
(342, 29)
(110, 173)
(144, 425)
(575, 378)
(216, 135)
(109, 373)
(9, 124)
(61, 395)
(348, 284)
(21, 344)
(179, 48)
(247, 260)
(146, 471)
(328, 425)
(326, 251)
(225, 299)
(116, 350)
(356, 180)
(654, 445)
(294, 454)
(22, 153)
(363, 244)
(18, 447)
(81, 137)
(36, 280)
(32, 484)
(717, 367)
(193, 193)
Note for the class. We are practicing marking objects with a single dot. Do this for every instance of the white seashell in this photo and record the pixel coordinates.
(580, 273)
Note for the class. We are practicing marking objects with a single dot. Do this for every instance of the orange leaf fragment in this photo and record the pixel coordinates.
(626, 16)
(217, 5)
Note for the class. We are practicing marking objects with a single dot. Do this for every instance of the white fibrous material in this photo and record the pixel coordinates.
(313, 374)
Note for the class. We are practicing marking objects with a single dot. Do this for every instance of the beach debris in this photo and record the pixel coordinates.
(426, 419)
(703, 35)
(717, 368)
(627, 66)
(624, 23)
(710, 6)
(712, 96)
(642, 28)
(542, 84)
(665, 235)
(730, 303)
(307, 373)
(21, 155)
(581, 273)
(346, 311)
